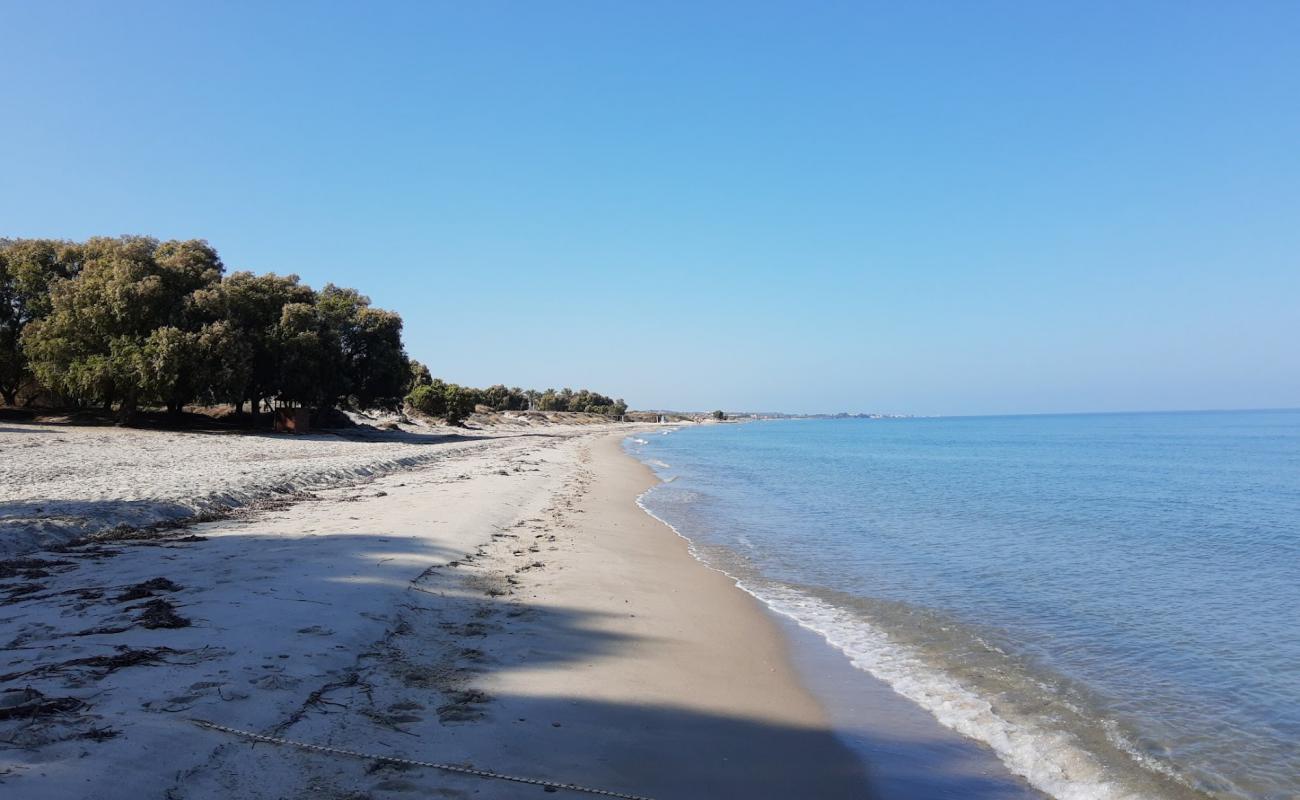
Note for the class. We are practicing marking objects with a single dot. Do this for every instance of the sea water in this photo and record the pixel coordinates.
(1110, 602)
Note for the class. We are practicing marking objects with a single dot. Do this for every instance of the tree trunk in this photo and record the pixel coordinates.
(126, 411)
(257, 409)
(174, 408)
(10, 395)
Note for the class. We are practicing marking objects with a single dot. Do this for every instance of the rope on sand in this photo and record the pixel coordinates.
(478, 773)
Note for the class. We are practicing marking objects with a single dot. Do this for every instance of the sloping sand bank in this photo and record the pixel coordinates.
(507, 606)
(60, 482)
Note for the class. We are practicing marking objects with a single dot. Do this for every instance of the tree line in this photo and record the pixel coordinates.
(436, 398)
(133, 322)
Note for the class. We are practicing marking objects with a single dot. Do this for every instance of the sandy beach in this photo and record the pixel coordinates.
(499, 603)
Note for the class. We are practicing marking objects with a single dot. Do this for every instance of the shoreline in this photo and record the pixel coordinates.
(906, 750)
(982, 713)
(709, 660)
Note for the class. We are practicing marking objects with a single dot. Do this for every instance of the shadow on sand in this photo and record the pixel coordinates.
(257, 602)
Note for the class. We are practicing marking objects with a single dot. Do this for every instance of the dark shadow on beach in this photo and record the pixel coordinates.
(188, 422)
(123, 510)
(22, 429)
(643, 749)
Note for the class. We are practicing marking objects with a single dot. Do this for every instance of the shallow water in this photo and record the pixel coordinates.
(1108, 601)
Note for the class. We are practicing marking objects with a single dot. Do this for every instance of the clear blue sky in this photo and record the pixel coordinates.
(928, 207)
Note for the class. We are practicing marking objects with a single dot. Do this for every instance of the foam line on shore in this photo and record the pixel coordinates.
(1049, 760)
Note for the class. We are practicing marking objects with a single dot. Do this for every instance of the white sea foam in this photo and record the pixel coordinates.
(690, 545)
(1051, 760)
(1122, 742)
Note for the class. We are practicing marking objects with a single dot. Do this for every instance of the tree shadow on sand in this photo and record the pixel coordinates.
(386, 645)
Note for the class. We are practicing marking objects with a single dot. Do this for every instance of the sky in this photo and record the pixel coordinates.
(913, 207)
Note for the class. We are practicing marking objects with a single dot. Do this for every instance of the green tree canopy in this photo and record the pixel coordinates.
(244, 341)
(27, 269)
(437, 399)
(418, 375)
(140, 322)
(98, 341)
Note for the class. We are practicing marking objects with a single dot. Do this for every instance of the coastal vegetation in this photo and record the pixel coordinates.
(127, 323)
(431, 396)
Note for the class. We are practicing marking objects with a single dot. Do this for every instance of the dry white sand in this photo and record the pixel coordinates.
(503, 604)
(58, 482)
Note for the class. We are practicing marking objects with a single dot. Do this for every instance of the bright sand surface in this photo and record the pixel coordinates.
(507, 606)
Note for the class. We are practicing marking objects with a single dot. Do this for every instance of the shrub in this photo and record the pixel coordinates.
(428, 399)
(459, 403)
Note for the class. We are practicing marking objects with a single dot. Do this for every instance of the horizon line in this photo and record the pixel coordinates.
(899, 415)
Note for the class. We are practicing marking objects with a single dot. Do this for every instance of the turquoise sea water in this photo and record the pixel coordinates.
(1111, 602)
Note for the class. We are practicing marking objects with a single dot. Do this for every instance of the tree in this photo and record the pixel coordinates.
(497, 396)
(369, 342)
(27, 269)
(228, 359)
(135, 321)
(244, 335)
(454, 403)
(98, 342)
(460, 403)
(613, 408)
(419, 376)
(310, 368)
(719, 415)
(551, 400)
(376, 358)
(447, 400)
(428, 399)
(173, 367)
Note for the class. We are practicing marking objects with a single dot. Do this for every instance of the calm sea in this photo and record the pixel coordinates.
(1111, 601)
